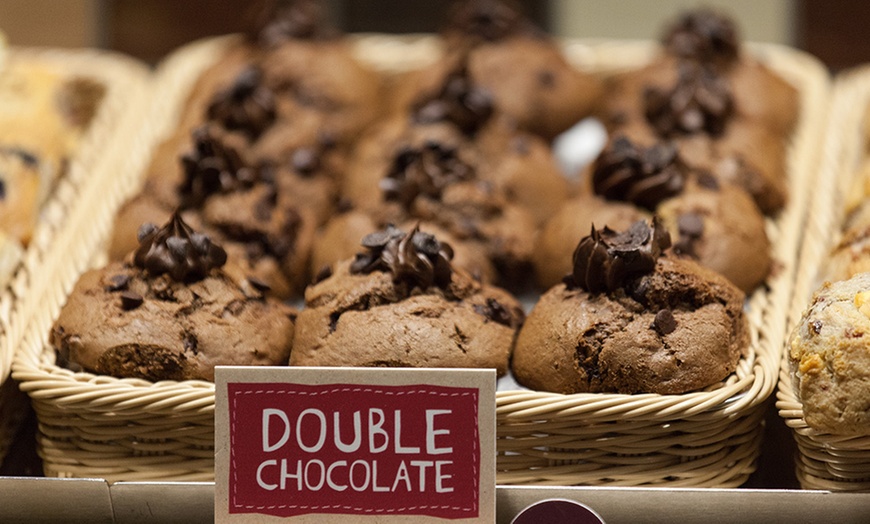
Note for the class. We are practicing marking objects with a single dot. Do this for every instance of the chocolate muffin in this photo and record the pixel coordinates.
(302, 63)
(704, 44)
(629, 319)
(402, 304)
(267, 225)
(720, 228)
(524, 71)
(217, 78)
(172, 311)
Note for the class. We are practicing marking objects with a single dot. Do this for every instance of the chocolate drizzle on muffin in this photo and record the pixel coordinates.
(701, 101)
(178, 251)
(415, 259)
(644, 177)
(703, 35)
(459, 102)
(212, 167)
(424, 171)
(606, 260)
(284, 20)
(246, 105)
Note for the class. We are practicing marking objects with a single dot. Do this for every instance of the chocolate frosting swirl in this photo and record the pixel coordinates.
(703, 35)
(212, 167)
(246, 106)
(416, 259)
(283, 20)
(606, 260)
(631, 173)
(423, 171)
(701, 101)
(488, 20)
(459, 102)
(176, 250)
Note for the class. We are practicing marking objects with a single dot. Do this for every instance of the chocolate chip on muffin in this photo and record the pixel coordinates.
(631, 319)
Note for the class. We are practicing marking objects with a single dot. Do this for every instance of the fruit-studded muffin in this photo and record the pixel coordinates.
(630, 319)
(172, 311)
(830, 358)
(400, 303)
(43, 116)
(851, 255)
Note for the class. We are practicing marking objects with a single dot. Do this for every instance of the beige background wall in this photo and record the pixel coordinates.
(64, 23)
(760, 20)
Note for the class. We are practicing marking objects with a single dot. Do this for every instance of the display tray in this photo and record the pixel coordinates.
(94, 501)
(829, 461)
(97, 426)
(123, 81)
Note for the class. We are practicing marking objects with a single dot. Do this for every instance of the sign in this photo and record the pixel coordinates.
(376, 444)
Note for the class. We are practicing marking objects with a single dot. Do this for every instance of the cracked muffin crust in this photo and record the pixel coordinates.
(402, 304)
(173, 311)
(631, 320)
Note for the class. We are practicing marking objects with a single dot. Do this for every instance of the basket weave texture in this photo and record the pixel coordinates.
(124, 81)
(825, 460)
(135, 430)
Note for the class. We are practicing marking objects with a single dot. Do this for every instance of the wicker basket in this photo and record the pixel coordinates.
(708, 438)
(827, 461)
(124, 80)
(135, 430)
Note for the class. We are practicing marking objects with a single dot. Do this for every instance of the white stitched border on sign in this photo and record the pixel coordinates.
(348, 390)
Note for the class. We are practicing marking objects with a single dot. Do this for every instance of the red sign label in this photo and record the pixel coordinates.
(353, 449)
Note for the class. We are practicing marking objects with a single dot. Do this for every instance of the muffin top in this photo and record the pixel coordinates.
(630, 319)
(402, 303)
(829, 360)
(173, 311)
